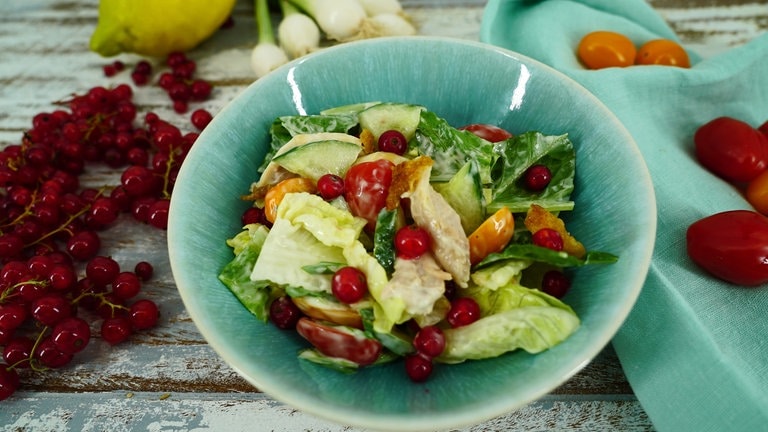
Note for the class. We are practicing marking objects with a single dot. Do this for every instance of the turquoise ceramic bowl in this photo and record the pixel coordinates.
(464, 82)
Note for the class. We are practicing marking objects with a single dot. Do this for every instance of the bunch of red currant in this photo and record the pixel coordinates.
(55, 287)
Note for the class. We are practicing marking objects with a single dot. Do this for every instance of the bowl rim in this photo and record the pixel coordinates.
(349, 416)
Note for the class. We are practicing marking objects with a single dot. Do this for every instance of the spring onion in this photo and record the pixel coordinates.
(297, 33)
(266, 55)
(376, 7)
(387, 24)
(340, 20)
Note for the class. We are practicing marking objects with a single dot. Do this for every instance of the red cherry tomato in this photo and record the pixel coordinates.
(764, 128)
(340, 341)
(487, 132)
(731, 245)
(731, 149)
(367, 185)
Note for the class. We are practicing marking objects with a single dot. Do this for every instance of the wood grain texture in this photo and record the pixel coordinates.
(169, 379)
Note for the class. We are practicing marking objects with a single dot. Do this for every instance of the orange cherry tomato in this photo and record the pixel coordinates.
(757, 193)
(602, 49)
(276, 193)
(662, 52)
(491, 236)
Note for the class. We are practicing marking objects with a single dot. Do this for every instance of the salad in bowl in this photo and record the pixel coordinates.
(378, 232)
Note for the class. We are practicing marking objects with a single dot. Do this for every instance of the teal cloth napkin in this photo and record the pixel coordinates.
(695, 350)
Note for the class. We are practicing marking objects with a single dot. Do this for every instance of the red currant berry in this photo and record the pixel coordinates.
(411, 242)
(555, 283)
(126, 285)
(349, 285)
(201, 90)
(12, 315)
(253, 215)
(548, 238)
(9, 381)
(200, 118)
(83, 245)
(429, 341)
(50, 309)
(102, 270)
(144, 314)
(330, 186)
(18, 351)
(157, 214)
(49, 355)
(62, 277)
(115, 330)
(537, 177)
(418, 367)
(138, 181)
(144, 270)
(393, 141)
(463, 311)
(284, 313)
(71, 335)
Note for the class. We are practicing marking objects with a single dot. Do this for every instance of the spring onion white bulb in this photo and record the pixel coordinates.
(387, 24)
(266, 55)
(376, 7)
(340, 20)
(297, 33)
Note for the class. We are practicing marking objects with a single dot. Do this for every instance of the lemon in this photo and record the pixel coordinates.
(155, 28)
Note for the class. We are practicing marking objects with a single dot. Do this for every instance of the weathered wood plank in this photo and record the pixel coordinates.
(182, 412)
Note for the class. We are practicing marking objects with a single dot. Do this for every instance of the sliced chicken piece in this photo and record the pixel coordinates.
(418, 282)
(432, 212)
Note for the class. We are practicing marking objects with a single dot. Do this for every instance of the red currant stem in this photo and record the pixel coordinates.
(27, 211)
(102, 299)
(167, 173)
(63, 226)
(11, 290)
(33, 364)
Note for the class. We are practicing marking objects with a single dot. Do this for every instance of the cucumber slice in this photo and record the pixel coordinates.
(313, 160)
(348, 109)
(386, 116)
(464, 193)
(396, 341)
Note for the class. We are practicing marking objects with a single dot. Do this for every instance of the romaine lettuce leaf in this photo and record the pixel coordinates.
(532, 328)
(451, 148)
(519, 153)
(306, 231)
(236, 275)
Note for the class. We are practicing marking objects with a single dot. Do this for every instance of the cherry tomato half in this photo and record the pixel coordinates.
(732, 149)
(602, 49)
(340, 341)
(662, 52)
(367, 186)
(487, 132)
(732, 246)
(492, 235)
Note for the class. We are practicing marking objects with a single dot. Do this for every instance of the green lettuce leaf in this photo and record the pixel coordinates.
(451, 148)
(519, 153)
(560, 259)
(236, 275)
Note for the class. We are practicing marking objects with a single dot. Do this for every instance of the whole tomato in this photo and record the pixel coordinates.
(367, 185)
(731, 149)
(340, 341)
(731, 245)
(487, 132)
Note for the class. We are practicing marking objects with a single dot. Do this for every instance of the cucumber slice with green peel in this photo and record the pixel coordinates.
(464, 192)
(396, 341)
(388, 116)
(348, 109)
(313, 160)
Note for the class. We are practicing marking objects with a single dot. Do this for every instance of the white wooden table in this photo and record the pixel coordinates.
(169, 379)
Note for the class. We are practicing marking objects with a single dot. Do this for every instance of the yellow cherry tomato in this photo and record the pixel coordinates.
(757, 193)
(602, 49)
(276, 193)
(492, 235)
(662, 52)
